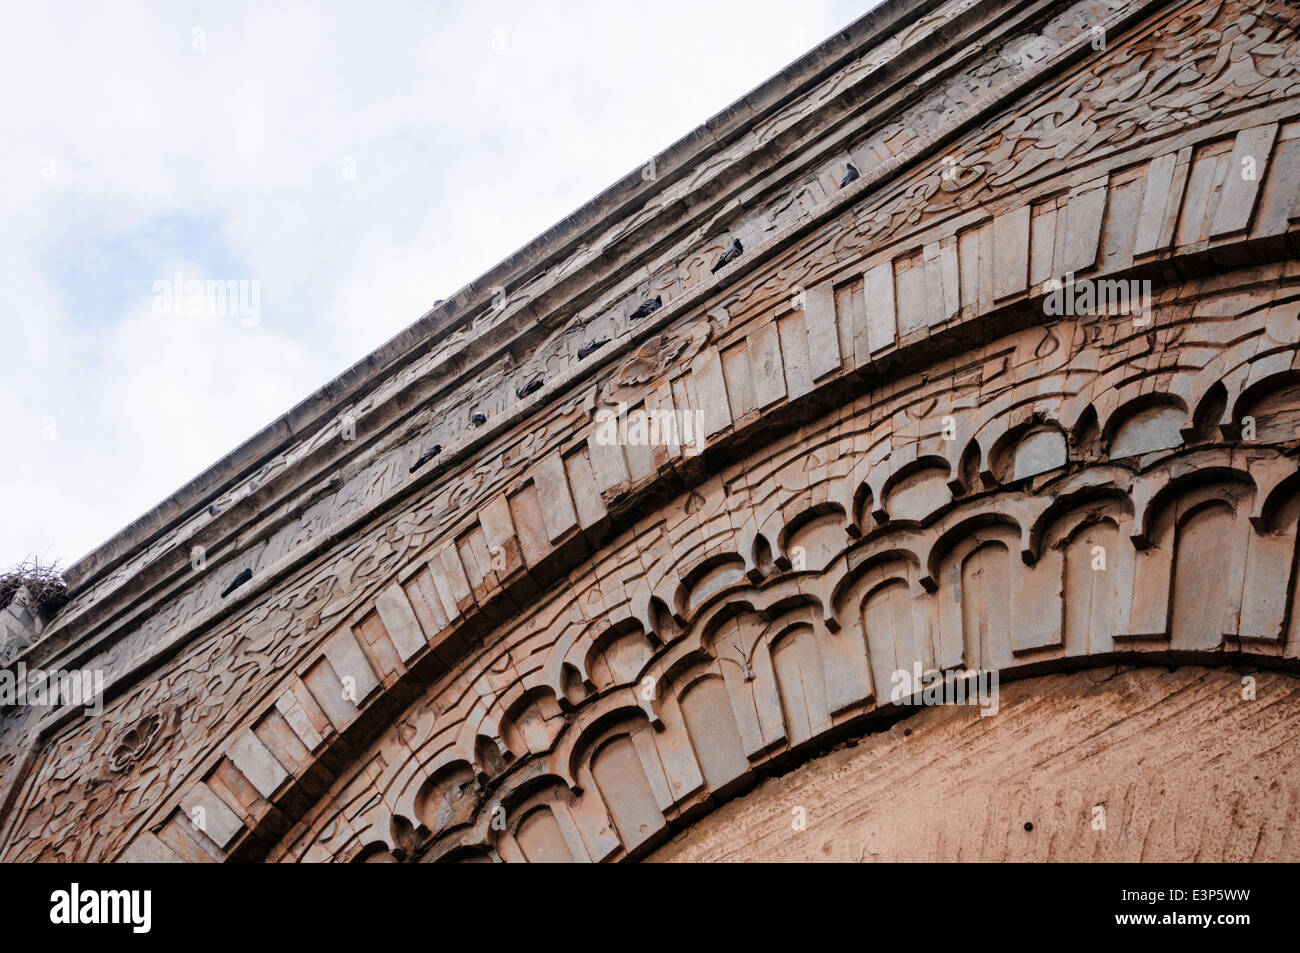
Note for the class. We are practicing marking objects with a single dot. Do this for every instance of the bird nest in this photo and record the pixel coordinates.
(45, 585)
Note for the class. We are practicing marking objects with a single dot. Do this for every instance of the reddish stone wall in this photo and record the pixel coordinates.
(1183, 767)
(541, 644)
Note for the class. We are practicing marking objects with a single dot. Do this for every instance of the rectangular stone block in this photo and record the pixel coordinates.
(878, 297)
(711, 391)
(1246, 168)
(1084, 216)
(794, 347)
(1205, 179)
(558, 514)
(256, 763)
(1279, 203)
(1011, 253)
(211, 816)
(442, 588)
(453, 570)
(851, 315)
(351, 665)
(282, 741)
(148, 849)
(1156, 197)
(327, 691)
(943, 284)
(1043, 222)
(499, 532)
(606, 455)
(911, 304)
(737, 380)
(400, 622)
(303, 715)
(422, 596)
(588, 506)
(526, 514)
(823, 333)
(179, 838)
(765, 367)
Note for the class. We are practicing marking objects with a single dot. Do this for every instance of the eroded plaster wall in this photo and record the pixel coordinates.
(1182, 766)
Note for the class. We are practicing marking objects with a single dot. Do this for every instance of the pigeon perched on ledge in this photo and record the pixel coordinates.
(478, 420)
(730, 255)
(531, 387)
(649, 306)
(426, 457)
(590, 347)
(243, 577)
(850, 175)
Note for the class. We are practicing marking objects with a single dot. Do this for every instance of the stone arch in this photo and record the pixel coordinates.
(617, 655)
(623, 769)
(1208, 414)
(1029, 450)
(915, 491)
(813, 539)
(1201, 578)
(707, 578)
(799, 667)
(376, 853)
(1145, 424)
(985, 600)
(1274, 405)
(1165, 598)
(895, 640)
(532, 723)
(968, 467)
(1091, 553)
(713, 730)
(540, 838)
(538, 822)
(447, 799)
(1085, 435)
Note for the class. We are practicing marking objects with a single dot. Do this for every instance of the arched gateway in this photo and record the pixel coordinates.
(978, 328)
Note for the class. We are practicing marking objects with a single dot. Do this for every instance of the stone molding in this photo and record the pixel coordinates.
(401, 593)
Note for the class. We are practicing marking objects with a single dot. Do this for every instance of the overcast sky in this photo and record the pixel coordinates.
(357, 161)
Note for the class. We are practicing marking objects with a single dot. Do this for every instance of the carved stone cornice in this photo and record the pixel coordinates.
(821, 362)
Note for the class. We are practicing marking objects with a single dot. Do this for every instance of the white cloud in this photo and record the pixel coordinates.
(473, 126)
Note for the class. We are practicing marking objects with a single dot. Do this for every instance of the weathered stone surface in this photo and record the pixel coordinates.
(907, 449)
(1061, 748)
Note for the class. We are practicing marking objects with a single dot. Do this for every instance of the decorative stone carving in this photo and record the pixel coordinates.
(907, 460)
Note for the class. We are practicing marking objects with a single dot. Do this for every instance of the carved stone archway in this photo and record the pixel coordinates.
(537, 644)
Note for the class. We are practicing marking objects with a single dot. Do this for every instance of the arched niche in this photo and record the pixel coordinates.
(714, 733)
(918, 491)
(1148, 424)
(814, 538)
(798, 664)
(532, 723)
(1269, 412)
(1028, 450)
(448, 798)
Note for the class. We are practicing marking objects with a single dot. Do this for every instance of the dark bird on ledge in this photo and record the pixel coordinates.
(850, 175)
(243, 577)
(426, 457)
(213, 510)
(730, 255)
(649, 306)
(531, 387)
(478, 420)
(590, 347)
